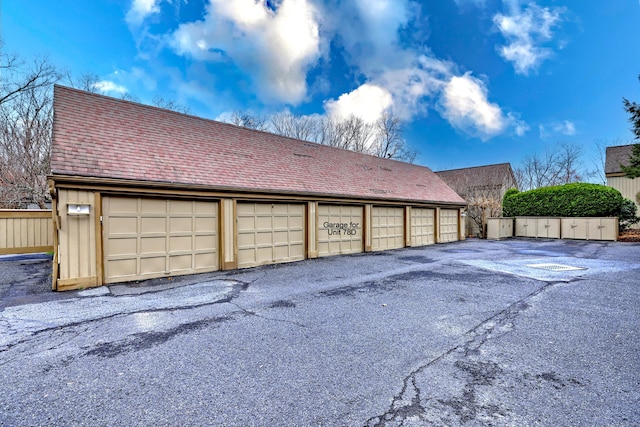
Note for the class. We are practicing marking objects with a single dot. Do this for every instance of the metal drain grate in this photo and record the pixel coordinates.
(555, 267)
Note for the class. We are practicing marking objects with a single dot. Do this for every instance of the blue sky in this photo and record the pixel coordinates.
(475, 81)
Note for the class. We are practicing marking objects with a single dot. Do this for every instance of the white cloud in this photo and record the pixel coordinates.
(276, 44)
(520, 126)
(415, 86)
(368, 30)
(526, 31)
(564, 127)
(367, 102)
(275, 47)
(140, 9)
(465, 105)
(109, 86)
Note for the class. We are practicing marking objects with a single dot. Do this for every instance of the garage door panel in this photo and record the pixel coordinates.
(448, 225)
(264, 222)
(263, 209)
(125, 246)
(123, 225)
(181, 207)
(280, 222)
(205, 243)
(123, 267)
(387, 228)
(422, 226)
(161, 237)
(153, 206)
(297, 221)
(151, 265)
(180, 262)
(180, 225)
(264, 238)
(150, 245)
(269, 233)
(246, 222)
(246, 240)
(206, 210)
(339, 229)
(282, 237)
(296, 236)
(206, 224)
(204, 260)
(180, 243)
(122, 205)
(153, 225)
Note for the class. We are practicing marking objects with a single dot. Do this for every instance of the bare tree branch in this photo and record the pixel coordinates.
(245, 119)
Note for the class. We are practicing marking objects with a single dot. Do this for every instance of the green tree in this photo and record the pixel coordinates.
(632, 170)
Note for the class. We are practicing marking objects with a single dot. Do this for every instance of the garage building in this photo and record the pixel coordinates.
(141, 192)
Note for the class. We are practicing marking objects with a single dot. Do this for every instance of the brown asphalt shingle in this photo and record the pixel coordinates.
(479, 176)
(98, 136)
(615, 156)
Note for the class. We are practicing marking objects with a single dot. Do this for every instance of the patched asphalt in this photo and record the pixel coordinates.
(458, 334)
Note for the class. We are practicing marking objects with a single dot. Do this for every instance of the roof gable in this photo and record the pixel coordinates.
(102, 137)
(614, 156)
(479, 176)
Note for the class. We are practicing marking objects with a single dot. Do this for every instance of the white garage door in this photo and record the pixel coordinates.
(339, 229)
(387, 228)
(270, 233)
(145, 238)
(422, 226)
(448, 225)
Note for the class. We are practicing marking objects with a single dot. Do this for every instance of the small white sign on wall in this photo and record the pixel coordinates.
(78, 209)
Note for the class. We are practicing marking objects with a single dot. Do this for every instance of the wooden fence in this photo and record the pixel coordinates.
(25, 231)
(554, 228)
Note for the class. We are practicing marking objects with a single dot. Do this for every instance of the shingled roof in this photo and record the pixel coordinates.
(101, 137)
(479, 176)
(615, 156)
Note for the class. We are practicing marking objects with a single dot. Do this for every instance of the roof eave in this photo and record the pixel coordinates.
(101, 181)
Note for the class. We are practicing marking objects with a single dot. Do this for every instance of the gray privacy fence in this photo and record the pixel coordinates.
(553, 228)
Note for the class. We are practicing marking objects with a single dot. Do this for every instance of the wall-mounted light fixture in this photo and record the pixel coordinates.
(78, 209)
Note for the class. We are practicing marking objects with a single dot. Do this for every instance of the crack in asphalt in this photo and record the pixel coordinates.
(8, 329)
(146, 340)
(408, 402)
(253, 313)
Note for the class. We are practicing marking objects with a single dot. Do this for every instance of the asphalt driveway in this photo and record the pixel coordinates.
(517, 332)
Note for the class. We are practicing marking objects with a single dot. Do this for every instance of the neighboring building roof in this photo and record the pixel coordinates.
(614, 156)
(102, 137)
(479, 176)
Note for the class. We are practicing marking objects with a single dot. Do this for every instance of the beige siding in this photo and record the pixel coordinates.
(25, 231)
(270, 233)
(339, 229)
(77, 240)
(629, 188)
(499, 228)
(387, 228)
(146, 238)
(574, 228)
(448, 225)
(526, 227)
(548, 228)
(422, 226)
(590, 228)
(602, 229)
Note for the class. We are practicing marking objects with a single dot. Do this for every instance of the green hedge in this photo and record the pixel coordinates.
(569, 200)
